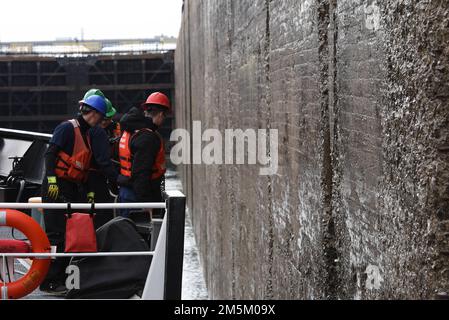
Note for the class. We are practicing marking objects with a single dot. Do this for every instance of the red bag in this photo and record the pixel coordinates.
(80, 233)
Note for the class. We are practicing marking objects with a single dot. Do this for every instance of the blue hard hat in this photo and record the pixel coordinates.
(97, 103)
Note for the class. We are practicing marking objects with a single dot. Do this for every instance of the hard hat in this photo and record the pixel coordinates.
(93, 92)
(157, 99)
(110, 110)
(97, 103)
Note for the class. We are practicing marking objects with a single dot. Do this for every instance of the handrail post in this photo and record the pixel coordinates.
(176, 211)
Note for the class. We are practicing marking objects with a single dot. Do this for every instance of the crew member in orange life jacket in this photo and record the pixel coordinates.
(67, 163)
(142, 153)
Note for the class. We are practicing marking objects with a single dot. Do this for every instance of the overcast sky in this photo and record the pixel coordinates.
(23, 20)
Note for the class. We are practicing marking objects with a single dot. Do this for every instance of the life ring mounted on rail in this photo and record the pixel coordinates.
(39, 244)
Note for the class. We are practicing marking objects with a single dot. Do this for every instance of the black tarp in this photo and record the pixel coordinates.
(113, 277)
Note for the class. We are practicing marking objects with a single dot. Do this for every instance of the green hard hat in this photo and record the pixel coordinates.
(110, 109)
(93, 92)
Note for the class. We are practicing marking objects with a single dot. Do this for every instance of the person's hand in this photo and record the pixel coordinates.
(149, 211)
(53, 189)
(114, 140)
(91, 197)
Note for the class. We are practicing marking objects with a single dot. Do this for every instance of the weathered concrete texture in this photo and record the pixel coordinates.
(359, 91)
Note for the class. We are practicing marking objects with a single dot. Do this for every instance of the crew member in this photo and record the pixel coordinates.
(67, 164)
(103, 174)
(142, 152)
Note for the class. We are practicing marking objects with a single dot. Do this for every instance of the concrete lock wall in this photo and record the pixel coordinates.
(358, 90)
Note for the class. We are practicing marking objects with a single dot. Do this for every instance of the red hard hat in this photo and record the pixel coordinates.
(159, 99)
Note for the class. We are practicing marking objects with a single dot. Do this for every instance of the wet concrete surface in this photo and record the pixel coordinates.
(359, 94)
(193, 284)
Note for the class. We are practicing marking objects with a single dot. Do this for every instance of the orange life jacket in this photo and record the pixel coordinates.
(125, 156)
(75, 167)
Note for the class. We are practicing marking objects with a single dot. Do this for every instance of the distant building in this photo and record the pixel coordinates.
(42, 82)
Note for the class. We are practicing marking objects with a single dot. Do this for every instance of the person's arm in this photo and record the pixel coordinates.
(50, 159)
(145, 147)
(61, 137)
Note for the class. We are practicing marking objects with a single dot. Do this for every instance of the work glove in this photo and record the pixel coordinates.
(53, 189)
(91, 197)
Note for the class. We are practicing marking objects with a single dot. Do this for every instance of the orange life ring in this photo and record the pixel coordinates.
(39, 244)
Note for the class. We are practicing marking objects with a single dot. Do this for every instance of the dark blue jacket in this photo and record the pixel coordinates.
(101, 150)
(63, 139)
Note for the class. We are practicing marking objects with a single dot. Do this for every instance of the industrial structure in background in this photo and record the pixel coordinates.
(42, 82)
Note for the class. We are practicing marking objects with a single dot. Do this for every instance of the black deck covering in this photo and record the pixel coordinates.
(113, 277)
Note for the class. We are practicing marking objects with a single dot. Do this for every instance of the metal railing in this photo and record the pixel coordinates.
(164, 280)
(84, 54)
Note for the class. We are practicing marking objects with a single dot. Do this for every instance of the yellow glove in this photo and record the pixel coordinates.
(53, 189)
(91, 197)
